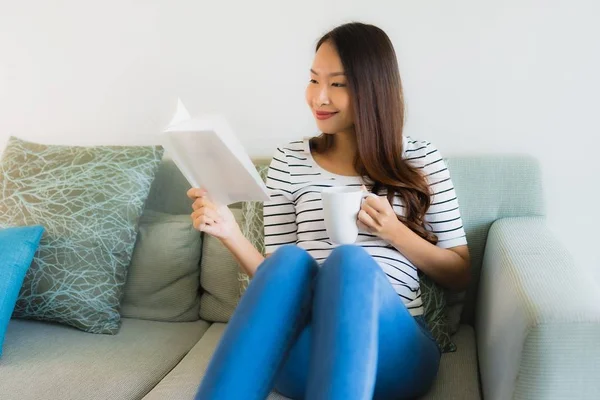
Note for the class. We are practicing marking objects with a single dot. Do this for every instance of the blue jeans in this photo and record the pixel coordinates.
(335, 332)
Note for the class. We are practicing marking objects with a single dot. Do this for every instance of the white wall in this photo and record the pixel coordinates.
(512, 76)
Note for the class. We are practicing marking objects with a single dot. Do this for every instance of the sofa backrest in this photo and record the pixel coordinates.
(488, 188)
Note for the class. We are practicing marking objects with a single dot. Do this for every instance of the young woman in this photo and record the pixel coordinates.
(321, 321)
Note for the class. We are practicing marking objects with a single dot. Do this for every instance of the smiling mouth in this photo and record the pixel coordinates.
(322, 115)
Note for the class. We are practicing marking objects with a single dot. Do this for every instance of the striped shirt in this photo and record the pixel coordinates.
(294, 215)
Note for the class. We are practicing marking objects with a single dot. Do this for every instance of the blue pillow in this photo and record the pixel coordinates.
(17, 248)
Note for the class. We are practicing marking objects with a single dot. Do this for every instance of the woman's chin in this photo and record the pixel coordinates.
(325, 127)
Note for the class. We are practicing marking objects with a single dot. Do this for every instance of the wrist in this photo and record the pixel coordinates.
(234, 238)
(398, 231)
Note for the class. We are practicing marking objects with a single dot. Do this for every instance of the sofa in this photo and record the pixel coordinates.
(528, 327)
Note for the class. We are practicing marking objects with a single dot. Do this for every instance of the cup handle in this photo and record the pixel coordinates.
(368, 194)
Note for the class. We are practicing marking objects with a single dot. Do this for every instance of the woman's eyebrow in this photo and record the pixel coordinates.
(332, 74)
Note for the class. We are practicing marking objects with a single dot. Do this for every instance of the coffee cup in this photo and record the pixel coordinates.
(340, 209)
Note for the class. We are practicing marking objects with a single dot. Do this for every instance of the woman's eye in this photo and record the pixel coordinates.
(338, 85)
(313, 81)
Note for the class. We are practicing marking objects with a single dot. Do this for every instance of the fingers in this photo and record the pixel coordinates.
(368, 215)
(200, 197)
(207, 214)
(205, 217)
(362, 226)
(203, 202)
(195, 193)
(373, 213)
(201, 221)
(213, 214)
(380, 204)
(367, 220)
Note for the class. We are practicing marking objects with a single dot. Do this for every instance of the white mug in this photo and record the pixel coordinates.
(340, 209)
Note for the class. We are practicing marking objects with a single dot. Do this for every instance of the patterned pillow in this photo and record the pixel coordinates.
(252, 227)
(89, 199)
(434, 306)
(434, 297)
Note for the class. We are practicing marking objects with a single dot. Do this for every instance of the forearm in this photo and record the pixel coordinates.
(444, 266)
(244, 252)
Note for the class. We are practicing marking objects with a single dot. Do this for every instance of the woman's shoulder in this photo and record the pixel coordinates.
(298, 145)
(288, 154)
(423, 155)
(416, 149)
(295, 147)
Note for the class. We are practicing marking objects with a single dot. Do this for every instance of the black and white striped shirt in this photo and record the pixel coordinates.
(294, 215)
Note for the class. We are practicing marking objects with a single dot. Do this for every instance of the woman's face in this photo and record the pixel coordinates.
(327, 93)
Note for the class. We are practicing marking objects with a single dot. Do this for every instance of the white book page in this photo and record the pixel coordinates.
(210, 156)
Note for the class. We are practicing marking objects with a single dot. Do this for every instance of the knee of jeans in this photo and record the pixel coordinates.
(290, 251)
(349, 259)
(350, 252)
(291, 259)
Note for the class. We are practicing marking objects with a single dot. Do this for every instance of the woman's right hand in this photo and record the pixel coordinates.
(217, 221)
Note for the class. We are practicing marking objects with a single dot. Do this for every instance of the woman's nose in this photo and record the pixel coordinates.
(323, 96)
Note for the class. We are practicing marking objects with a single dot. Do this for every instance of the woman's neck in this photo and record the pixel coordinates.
(339, 159)
(344, 146)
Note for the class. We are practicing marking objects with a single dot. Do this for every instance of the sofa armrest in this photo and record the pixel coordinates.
(538, 317)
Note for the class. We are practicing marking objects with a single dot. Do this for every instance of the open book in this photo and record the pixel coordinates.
(210, 156)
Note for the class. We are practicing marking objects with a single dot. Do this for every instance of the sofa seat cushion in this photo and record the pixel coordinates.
(457, 379)
(50, 361)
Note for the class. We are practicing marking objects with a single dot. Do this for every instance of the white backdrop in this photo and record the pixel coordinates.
(512, 76)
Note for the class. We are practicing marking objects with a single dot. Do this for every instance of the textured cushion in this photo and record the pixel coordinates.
(56, 362)
(89, 199)
(457, 378)
(218, 278)
(168, 193)
(183, 381)
(434, 312)
(17, 247)
(164, 275)
(253, 227)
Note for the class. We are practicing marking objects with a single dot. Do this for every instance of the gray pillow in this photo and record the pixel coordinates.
(219, 278)
(89, 199)
(164, 274)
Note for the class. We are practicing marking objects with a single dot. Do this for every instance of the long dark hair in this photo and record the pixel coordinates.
(371, 68)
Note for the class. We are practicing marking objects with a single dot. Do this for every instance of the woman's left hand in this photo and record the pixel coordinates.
(377, 216)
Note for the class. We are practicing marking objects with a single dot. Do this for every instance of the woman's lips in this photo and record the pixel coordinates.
(324, 114)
